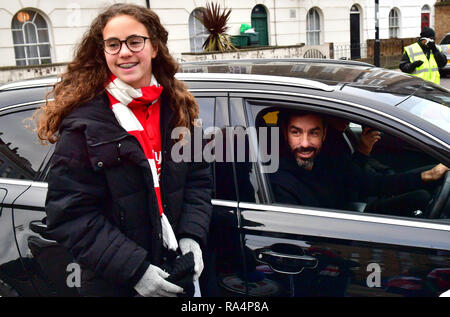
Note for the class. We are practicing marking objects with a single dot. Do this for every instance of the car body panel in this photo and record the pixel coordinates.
(445, 46)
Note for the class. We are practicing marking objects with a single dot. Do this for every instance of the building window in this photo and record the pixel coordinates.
(313, 27)
(197, 32)
(31, 38)
(394, 23)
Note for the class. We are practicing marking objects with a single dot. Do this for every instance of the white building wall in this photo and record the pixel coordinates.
(69, 19)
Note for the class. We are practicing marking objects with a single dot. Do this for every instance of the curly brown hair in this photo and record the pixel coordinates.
(87, 74)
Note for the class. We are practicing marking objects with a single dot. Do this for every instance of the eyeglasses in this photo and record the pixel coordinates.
(135, 43)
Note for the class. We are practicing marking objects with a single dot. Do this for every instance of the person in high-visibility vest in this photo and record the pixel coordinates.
(423, 58)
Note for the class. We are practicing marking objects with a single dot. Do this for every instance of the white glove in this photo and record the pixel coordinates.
(153, 284)
(187, 245)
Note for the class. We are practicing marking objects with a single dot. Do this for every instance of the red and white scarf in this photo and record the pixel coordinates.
(123, 98)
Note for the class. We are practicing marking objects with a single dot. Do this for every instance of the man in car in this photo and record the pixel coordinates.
(308, 177)
(423, 58)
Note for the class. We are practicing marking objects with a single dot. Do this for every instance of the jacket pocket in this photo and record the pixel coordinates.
(104, 155)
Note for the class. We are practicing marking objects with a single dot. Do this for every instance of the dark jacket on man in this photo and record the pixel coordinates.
(101, 203)
(329, 182)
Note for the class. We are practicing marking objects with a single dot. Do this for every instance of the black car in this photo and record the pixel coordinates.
(445, 48)
(258, 247)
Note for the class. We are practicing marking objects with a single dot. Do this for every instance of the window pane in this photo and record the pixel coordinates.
(316, 21)
(317, 38)
(34, 61)
(19, 51)
(43, 36)
(30, 33)
(32, 51)
(18, 37)
(39, 21)
(16, 24)
(19, 146)
(206, 106)
(21, 62)
(44, 50)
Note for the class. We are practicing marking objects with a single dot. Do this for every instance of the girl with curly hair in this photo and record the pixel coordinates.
(116, 199)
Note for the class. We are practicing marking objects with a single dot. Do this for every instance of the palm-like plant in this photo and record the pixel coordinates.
(215, 20)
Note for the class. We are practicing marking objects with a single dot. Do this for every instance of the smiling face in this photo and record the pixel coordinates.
(133, 68)
(305, 136)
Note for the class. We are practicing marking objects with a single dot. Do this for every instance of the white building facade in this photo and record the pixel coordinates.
(34, 32)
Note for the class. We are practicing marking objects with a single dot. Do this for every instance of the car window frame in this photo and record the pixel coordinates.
(363, 116)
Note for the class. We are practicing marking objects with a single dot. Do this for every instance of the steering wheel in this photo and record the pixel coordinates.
(440, 196)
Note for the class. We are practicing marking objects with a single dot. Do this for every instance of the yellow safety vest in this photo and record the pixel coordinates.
(429, 70)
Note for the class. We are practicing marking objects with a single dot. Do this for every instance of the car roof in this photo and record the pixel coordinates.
(349, 77)
(328, 71)
(325, 71)
(29, 83)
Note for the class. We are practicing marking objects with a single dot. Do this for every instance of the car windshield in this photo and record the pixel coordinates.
(430, 103)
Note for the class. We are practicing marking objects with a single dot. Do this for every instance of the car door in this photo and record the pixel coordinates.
(296, 250)
(22, 200)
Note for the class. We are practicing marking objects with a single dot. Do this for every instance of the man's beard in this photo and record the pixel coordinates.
(308, 162)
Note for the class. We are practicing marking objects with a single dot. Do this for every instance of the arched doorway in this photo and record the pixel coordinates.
(259, 23)
(425, 17)
(355, 31)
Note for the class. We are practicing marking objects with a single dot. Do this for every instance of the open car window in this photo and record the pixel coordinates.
(385, 182)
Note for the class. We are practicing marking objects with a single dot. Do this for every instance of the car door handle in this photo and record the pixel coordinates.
(39, 227)
(286, 263)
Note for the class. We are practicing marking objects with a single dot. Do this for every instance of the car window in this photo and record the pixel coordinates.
(446, 39)
(206, 106)
(21, 154)
(432, 105)
(425, 100)
(215, 120)
(324, 162)
(224, 173)
(246, 169)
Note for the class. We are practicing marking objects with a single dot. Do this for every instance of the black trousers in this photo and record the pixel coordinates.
(401, 205)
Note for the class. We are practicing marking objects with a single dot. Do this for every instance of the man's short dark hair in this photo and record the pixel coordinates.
(285, 116)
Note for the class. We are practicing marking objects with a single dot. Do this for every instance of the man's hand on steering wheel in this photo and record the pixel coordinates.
(435, 173)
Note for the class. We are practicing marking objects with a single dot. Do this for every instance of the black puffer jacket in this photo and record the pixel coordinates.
(101, 204)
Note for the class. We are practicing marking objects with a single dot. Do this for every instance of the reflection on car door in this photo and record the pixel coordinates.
(309, 252)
